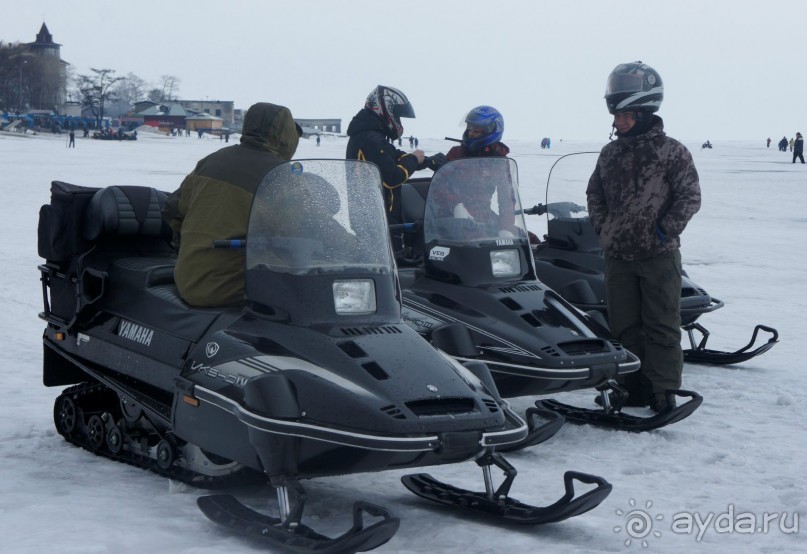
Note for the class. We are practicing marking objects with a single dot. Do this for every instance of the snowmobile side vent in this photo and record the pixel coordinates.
(375, 370)
(617, 345)
(510, 303)
(352, 349)
(519, 288)
(492, 405)
(550, 351)
(441, 406)
(394, 412)
(579, 347)
(383, 330)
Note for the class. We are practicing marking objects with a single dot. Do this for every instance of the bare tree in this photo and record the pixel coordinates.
(131, 88)
(96, 90)
(170, 86)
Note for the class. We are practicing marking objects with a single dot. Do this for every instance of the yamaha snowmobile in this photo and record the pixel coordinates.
(469, 265)
(317, 375)
(570, 260)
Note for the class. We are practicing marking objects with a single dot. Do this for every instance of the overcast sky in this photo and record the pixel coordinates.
(732, 69)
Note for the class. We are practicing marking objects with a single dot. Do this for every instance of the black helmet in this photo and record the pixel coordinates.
(390, 105)
(634, 87)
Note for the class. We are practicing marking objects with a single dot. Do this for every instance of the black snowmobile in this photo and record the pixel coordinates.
(571, 261)
(469, 264)
(316, 376)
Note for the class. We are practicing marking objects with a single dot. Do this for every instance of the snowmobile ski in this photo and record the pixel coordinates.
(499, 505)
(699, 354)
(615, 419)
(226, 510)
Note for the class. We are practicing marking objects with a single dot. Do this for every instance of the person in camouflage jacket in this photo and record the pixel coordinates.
(213, 202)
(643, 192)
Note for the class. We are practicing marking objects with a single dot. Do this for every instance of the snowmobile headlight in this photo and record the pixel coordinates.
(505, 263)
(354, 297)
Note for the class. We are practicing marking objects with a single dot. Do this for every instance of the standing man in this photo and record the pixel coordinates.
(72, 143)
(214, 200)
(798, 148)
(371, 133)
(643, 192)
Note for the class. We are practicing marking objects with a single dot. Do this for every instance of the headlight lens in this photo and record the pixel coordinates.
(354, 296)
(505, 263)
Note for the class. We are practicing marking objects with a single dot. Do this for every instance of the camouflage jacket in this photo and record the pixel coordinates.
(643, 192)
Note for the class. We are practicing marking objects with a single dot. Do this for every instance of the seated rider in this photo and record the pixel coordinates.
(213, 203)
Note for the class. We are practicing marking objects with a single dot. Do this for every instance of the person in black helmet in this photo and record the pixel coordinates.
(371, 133)
(643, 192)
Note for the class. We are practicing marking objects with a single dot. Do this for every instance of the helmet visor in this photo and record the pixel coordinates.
(623, 83)
(403, 110)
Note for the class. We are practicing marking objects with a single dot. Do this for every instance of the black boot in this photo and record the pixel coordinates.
(661, 404)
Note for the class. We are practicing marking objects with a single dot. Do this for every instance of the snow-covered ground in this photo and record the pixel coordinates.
(736, 461)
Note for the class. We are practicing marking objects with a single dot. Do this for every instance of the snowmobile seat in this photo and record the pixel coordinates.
(413, 207)
(143, 290)
(413, 199)
(84, 230)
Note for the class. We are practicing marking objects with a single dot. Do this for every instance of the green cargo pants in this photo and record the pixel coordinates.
(644, 312)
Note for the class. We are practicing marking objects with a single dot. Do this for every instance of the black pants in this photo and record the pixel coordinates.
(644, 311)
(799, 156)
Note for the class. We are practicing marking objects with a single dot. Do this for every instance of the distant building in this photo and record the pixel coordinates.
(43, 72)
(204, 122)
(313, 126)
(223, 109)
(164, 116)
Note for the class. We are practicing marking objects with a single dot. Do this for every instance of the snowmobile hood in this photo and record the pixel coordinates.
(271, 127)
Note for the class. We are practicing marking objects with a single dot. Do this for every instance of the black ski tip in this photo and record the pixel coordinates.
(227, 511)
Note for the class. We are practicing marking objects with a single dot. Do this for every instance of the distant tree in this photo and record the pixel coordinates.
(170, 86)
(131, 88)
(96, 90)
(155, 95)
(15, 65)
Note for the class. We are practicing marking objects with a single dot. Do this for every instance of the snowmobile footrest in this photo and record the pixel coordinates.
(226, 510)
(622, 421)
(507, 509)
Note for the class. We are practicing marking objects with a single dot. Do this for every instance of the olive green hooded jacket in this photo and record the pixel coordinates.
(213, 202)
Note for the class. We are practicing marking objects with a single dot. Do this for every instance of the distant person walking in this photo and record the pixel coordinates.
(783, 145)
(769, 142)
(318, 140)
(798, 148)
(792, 141)
(72, 143)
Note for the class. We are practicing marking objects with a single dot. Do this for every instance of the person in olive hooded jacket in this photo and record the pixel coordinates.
(213, 202)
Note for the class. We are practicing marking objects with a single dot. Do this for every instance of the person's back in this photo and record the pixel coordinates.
(213, 202)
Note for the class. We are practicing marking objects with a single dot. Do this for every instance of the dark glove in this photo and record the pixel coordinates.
(436, 162)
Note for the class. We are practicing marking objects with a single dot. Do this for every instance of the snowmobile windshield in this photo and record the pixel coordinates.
(314, 216)
(565, 213)
(474, 200)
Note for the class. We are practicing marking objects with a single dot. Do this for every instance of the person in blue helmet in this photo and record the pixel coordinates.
(482, 136)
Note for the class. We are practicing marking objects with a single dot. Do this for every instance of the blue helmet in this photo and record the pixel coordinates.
(490, 121)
